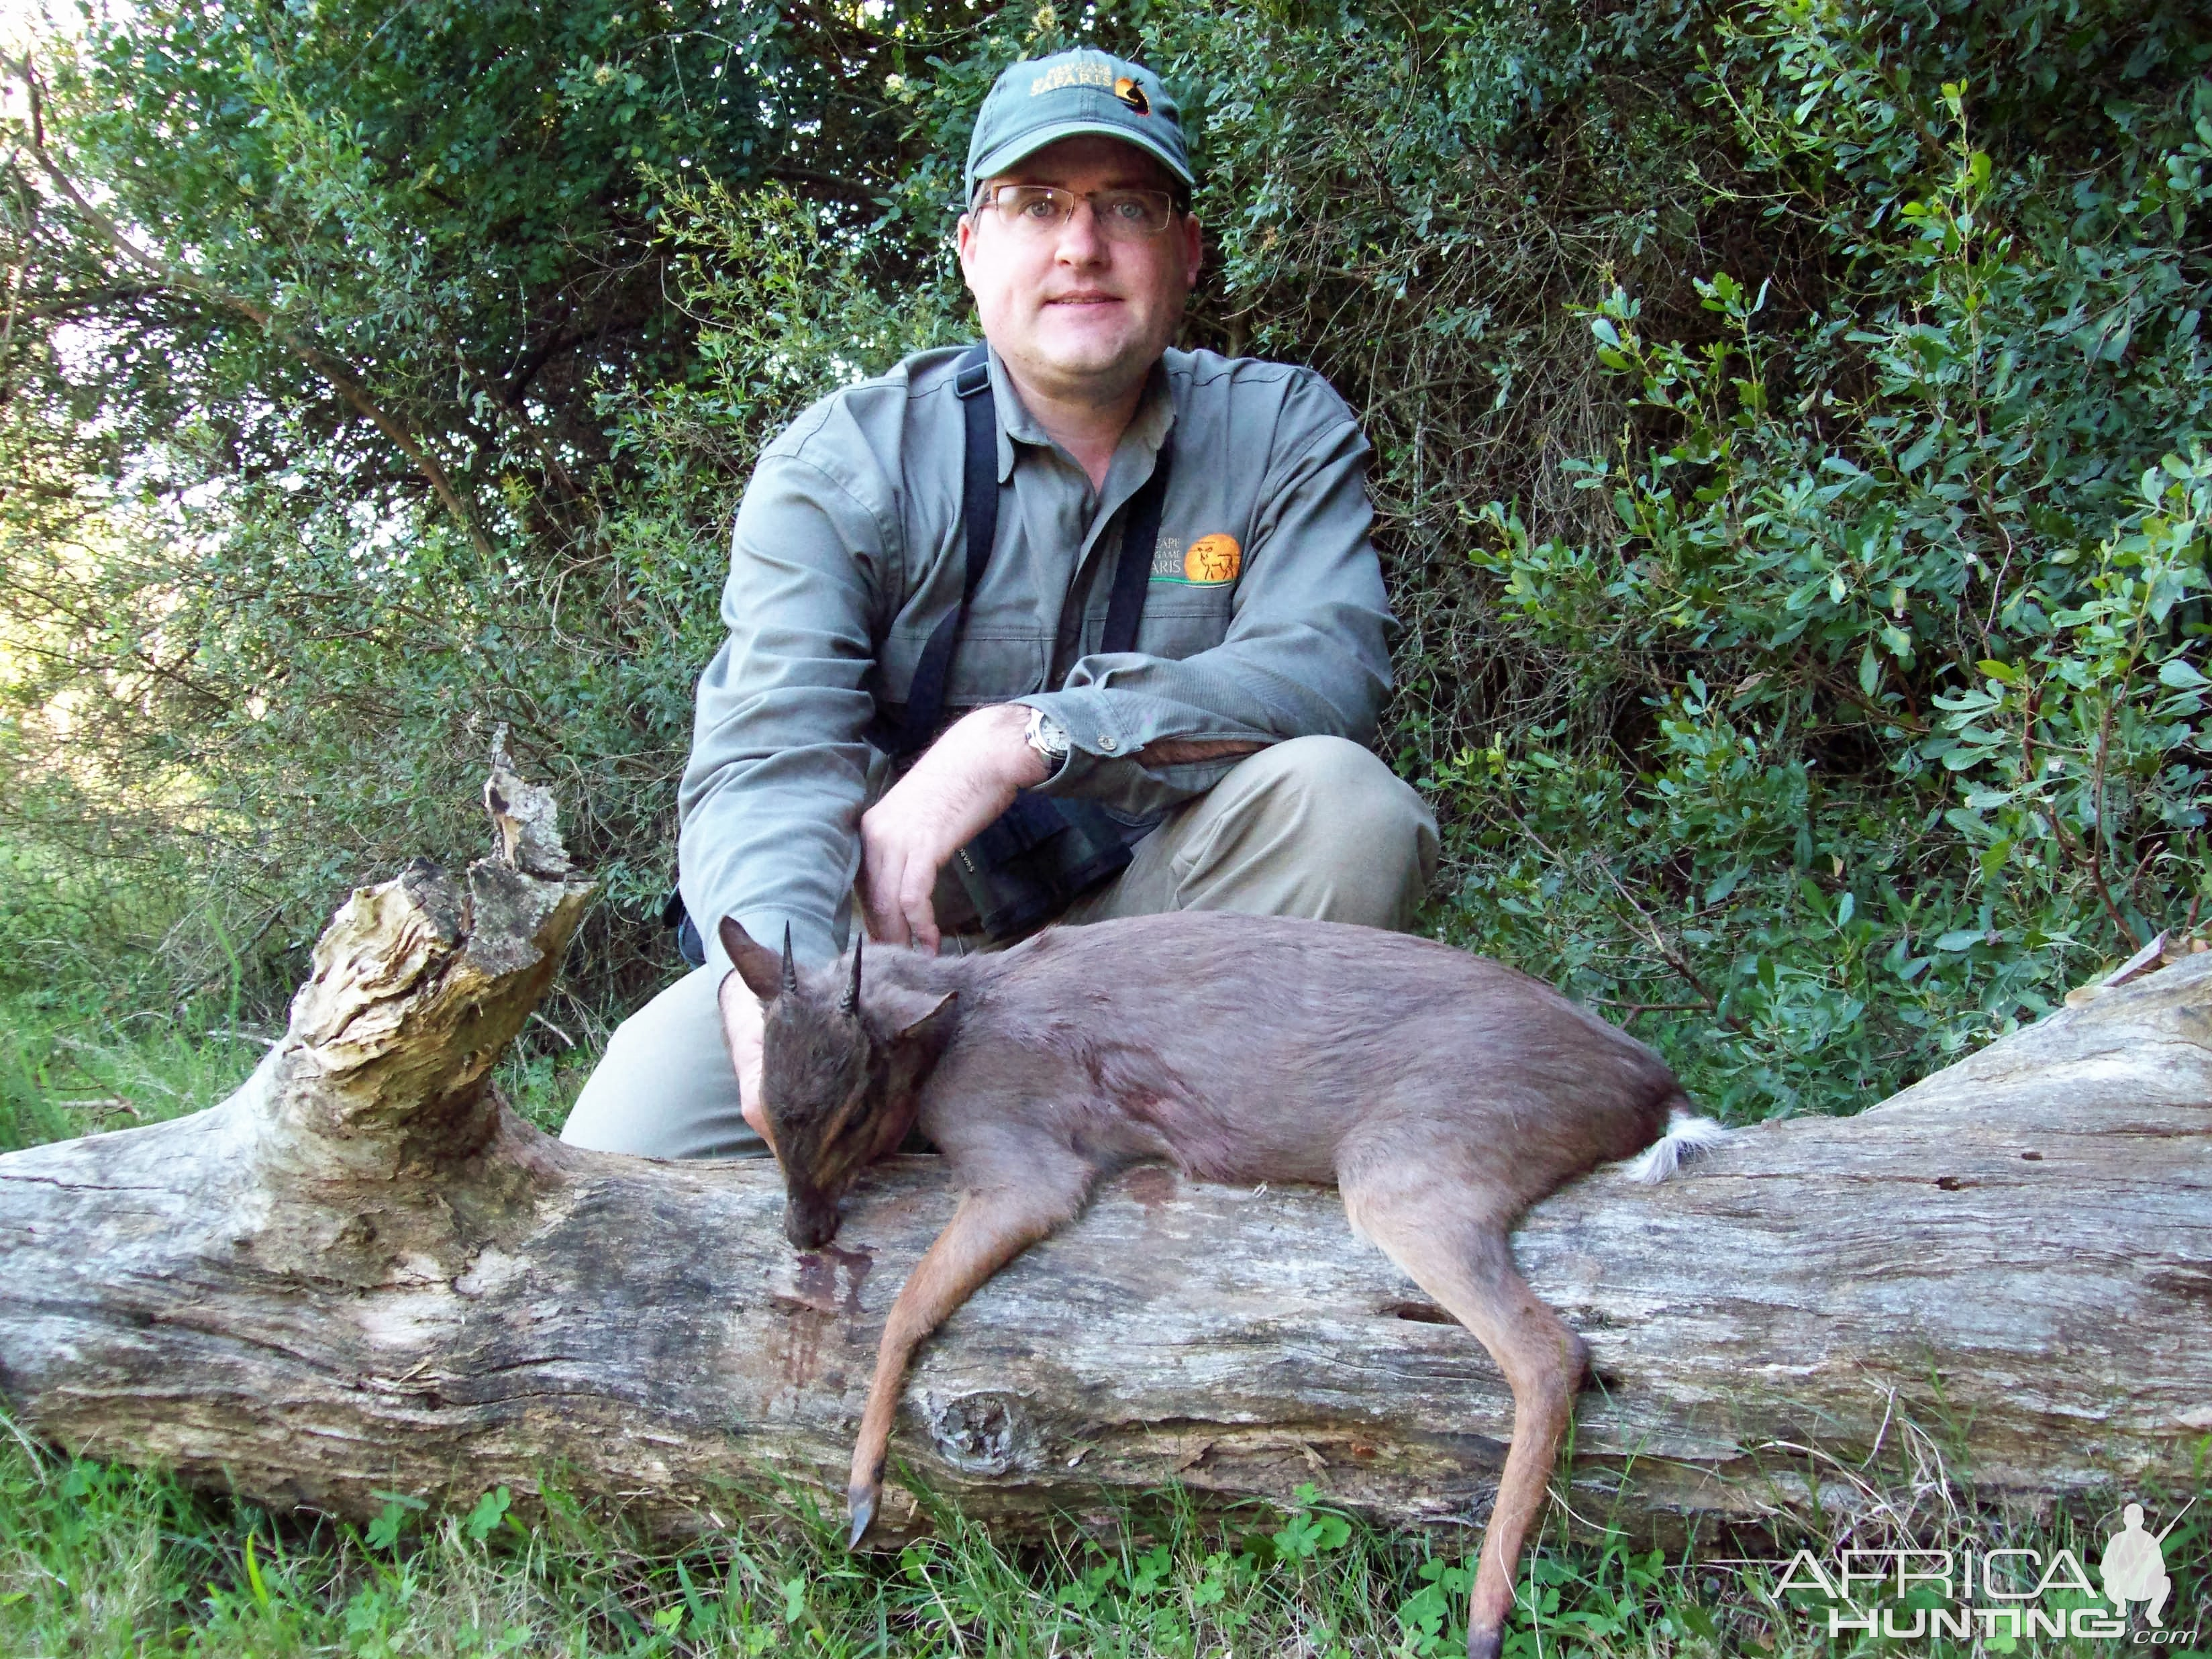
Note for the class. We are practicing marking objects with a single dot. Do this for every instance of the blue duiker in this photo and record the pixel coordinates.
(1442, 1093)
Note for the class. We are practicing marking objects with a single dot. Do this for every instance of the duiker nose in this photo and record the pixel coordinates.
(809, 1223)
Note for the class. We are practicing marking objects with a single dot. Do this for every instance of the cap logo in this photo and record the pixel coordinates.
(1133, 95)
(1083, 72)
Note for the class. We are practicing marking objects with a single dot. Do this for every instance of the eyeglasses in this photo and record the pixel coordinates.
(1036, 211)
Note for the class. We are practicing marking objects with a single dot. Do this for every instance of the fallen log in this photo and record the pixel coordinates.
(362, 1273)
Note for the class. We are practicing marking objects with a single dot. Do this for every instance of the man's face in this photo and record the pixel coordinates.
(1077, 315)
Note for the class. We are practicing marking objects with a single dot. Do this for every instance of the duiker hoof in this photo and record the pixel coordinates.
(1484, 1643)
(862, 1506)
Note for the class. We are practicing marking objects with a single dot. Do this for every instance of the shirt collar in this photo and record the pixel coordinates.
(1147, 429)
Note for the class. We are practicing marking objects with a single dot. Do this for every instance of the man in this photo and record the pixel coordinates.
(1220, 742)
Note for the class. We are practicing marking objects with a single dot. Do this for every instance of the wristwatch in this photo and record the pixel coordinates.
(1048, 736)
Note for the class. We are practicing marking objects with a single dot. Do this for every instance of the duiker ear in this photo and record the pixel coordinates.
(934, 1025)
(756, 964)
(909, 1018)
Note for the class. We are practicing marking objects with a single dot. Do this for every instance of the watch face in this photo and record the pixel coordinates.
(1046, 735)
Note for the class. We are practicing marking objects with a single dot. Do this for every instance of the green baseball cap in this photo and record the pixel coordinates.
(1045, 100)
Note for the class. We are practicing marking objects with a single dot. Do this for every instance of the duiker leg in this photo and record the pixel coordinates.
(991, 1227)
(1434, 1230)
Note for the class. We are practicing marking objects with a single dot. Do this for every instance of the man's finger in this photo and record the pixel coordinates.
(758, 1120)
(741, 1030)
(879, 896)
(918, 916)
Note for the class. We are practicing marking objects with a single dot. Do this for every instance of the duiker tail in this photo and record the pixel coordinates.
(1686, 1132)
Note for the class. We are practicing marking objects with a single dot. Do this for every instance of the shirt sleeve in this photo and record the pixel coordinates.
(769, 807)
(1306, 652)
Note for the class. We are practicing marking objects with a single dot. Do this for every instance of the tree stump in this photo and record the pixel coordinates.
(363, 1272)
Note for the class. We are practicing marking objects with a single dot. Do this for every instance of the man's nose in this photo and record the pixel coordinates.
(1081, 242)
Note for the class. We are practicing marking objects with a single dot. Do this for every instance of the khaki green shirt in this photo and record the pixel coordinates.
(1264, 618)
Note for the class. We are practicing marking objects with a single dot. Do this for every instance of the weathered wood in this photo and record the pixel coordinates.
(362, 1273)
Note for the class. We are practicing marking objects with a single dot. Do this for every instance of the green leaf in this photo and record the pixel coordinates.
(1869, 670)
(490, 1510)
(384, 1531)
(253, 1575)
(1959, 939)
(2180, 674)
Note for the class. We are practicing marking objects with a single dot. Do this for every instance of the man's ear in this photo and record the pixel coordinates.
(757, 965)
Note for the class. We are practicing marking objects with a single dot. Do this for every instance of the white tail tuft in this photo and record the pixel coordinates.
(1685, 1132)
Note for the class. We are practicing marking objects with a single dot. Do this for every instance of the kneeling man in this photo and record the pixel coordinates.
(1069, 625)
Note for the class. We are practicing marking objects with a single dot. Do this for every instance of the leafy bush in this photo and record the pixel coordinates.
(1790, 423)
(1885, 724)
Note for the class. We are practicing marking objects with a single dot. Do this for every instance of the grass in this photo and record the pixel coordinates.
(69, 1066)
(72, 1065)
(99, 1561)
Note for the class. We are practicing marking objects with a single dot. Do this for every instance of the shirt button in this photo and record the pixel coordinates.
(1107, 746)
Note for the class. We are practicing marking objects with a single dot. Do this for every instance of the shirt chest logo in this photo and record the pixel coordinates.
(1210, 561)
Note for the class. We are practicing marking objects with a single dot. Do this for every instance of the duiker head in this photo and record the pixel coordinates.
(842, 1066)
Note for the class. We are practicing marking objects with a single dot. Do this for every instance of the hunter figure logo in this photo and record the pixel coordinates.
(2134, 1566)
(1133, 95)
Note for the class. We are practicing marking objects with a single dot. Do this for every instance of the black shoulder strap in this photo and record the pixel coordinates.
(979, 514)
(1132, 572)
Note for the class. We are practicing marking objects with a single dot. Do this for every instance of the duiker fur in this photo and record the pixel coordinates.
(1442, 1093)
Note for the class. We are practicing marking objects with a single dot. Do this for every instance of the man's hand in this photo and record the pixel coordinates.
(741, 1025)
(968, 777)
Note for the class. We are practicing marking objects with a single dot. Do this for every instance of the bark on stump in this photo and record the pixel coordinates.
(361, 1273)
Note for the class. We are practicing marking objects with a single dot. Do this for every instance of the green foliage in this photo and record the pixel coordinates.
(99, 1561)
(73, 1063)
(1790, 423)
(1886, 673)
(68, 1068)
(95, 1560)
(317, 333)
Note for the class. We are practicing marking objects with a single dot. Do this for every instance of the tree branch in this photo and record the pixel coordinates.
(341, 379)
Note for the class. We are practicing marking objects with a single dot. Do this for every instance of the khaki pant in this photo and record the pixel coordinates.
(1315, 827)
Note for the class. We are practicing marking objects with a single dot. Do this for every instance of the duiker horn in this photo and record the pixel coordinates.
(850, 1002)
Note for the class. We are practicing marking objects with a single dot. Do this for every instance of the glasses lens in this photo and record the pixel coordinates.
(1123, 215)
(1133, 213)
(1034, 207)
